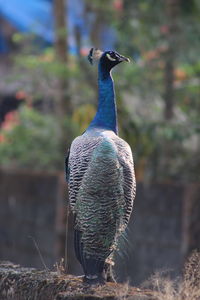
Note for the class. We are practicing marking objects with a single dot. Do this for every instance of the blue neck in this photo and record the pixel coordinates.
(106, 116)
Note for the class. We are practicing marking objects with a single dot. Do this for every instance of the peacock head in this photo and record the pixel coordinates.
(107, 59)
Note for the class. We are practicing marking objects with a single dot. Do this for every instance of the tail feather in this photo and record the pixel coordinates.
(93, 267)
(94, 270)
(78, 246)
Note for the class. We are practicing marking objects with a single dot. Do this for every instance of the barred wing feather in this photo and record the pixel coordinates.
(80, 156)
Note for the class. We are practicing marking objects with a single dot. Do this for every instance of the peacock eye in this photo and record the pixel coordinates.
(111, 56)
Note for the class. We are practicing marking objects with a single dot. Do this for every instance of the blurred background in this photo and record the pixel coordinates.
(48, 95)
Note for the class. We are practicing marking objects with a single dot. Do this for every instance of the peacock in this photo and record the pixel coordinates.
(101, 179)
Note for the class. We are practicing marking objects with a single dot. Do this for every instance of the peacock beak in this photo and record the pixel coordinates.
(123, 58)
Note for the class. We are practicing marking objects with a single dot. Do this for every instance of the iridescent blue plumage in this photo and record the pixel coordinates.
(101, 179)
(106, 116)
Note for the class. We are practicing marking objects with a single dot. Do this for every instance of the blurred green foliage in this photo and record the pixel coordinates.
(33, 142)
(164, 149)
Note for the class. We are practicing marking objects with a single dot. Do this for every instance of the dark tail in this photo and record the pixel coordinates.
(93, 267)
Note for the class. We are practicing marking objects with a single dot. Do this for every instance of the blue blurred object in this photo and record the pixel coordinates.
(3, 44)
(36, 16)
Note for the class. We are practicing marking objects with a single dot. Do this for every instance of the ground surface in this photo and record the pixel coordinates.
(27, 283)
